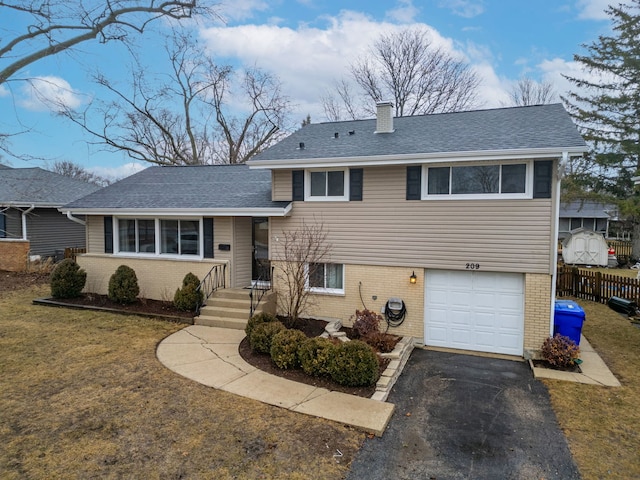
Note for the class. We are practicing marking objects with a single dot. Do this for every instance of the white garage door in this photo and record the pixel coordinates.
(482, 311)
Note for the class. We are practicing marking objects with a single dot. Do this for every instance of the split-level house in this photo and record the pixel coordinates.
(453, 217)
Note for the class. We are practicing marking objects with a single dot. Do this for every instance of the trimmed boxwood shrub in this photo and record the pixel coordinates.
(67, 279)
(284, 348)
(262, 336)
(123, 285)
(354, 364)
(315, 355)
(188, 297)
(257, 319)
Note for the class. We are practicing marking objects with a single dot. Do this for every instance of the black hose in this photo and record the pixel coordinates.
(395, 319)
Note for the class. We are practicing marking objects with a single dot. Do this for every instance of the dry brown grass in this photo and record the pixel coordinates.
(602, 424)
(82, 395)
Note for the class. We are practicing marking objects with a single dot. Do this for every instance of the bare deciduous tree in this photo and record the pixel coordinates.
(300, 253)
(529, 92)
(187, 118)
(54, 26)
(408, 69)
(73, 170)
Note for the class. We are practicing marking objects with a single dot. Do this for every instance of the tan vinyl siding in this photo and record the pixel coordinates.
(95, 234)
(222, 234)
(242, 251)
(386, 229)
(281, 185)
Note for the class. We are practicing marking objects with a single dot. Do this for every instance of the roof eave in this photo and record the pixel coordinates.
(413, 158)
(183, 212)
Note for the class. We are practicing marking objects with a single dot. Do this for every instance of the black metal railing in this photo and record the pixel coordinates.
(215, 279)
(259, 288)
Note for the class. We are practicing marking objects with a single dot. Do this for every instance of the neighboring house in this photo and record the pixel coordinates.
(586, 214)
(454, 214)
(29, 203)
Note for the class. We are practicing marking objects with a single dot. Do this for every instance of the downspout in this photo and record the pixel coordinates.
(75, 219)
(23, 216)
(554, 276)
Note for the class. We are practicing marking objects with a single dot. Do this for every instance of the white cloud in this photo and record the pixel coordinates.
(3, 91)
(593, 9)
(405, 12)
(119, 172)
(463, 8)
(308, 59)
(241, 9)
(48, 93)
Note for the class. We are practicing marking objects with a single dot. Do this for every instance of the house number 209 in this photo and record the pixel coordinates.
(473, 266)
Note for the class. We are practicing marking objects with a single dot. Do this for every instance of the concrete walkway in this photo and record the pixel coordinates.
(209, 355)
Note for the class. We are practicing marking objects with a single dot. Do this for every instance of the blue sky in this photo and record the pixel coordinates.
(309, 44)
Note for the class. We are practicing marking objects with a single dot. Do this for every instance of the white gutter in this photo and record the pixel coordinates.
(23, 216)
(417, 158)
(554, 276)
(74, 219)
(193, 212)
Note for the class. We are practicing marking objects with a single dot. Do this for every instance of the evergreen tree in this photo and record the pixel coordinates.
(606, 107)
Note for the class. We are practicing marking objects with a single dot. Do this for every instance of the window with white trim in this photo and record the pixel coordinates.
(497, 180)
(327, 184)
(157, 236)
(325, 277)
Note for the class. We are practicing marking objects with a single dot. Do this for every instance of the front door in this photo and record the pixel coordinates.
(261, 270)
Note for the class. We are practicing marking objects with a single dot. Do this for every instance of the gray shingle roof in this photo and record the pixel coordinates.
(21, 186)
(587, 209)
(186, 187)
(541, 126)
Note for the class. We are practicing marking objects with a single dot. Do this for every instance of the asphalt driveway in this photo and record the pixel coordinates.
(466, 417)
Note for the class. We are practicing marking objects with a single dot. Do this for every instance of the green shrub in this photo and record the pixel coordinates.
(262, 336)
(188, 297)
(123, 285)
(284, 348)
(366, 322)
(315, 355)
(67, 279)
(257, 319)
(560, 351)
(354, 364)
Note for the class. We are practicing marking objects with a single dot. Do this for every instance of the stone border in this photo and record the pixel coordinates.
(398, 359)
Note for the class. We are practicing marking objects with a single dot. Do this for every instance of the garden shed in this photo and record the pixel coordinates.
(585, 247)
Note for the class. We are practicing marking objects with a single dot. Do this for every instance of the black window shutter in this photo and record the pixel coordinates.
(355, 184)
(108, 234)
(3, 225)
(414, 182)
(297, 185)
(207, 228)
(542, 176)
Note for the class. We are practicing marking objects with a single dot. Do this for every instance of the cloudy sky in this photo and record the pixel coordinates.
(308, 44)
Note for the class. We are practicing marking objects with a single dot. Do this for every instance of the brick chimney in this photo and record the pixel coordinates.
(384, 117)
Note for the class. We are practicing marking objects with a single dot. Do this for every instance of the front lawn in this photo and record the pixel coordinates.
(83, 396)
(602, 424)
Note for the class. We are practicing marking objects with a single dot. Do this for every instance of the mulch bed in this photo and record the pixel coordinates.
(144, 306)
(311, 328)
(545, 364)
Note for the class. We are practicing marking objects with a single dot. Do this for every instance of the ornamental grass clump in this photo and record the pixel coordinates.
(560, 351)
(67, 279)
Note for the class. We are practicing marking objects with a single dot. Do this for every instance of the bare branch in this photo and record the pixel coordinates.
(529, 92)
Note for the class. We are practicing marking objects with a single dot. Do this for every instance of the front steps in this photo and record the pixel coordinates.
(230, 307)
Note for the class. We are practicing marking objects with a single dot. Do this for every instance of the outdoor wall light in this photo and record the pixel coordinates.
(413, 278)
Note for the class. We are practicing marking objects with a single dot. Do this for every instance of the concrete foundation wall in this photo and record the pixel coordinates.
(13, 255)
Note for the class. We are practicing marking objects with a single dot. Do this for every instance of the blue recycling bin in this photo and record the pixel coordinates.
(568, 318)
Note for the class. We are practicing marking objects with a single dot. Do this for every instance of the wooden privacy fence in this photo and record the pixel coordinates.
(623, 249)
(73, 252)
(595, 286)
